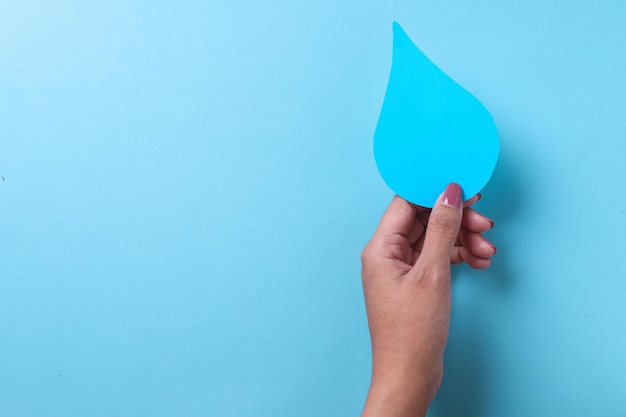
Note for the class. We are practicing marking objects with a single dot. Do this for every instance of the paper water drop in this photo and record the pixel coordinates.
(431, 131)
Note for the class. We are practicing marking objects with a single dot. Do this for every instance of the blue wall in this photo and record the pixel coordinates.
(187, 187)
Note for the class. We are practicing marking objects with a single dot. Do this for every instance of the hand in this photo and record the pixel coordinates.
(406, 281)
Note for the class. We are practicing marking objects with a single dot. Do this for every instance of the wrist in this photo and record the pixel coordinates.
(399, 396)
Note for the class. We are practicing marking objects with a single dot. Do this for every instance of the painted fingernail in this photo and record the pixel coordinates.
(492, 223)
(453, 196)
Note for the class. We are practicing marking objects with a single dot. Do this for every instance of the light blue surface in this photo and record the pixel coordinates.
(431, 131)
(188, 186)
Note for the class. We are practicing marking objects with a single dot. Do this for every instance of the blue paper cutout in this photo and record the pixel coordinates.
(431, 131)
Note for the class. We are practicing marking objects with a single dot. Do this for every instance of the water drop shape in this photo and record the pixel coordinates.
(431, 131)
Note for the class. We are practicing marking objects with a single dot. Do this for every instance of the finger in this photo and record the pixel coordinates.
(417, 231)
(473, 200)
(443, 226)
(477, 244)
(461, 254)
(475, 222)
(397, 219)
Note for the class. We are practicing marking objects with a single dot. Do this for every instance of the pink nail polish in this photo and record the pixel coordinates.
(453, 196)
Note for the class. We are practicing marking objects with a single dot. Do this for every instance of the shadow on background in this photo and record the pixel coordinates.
(466, 371)
(463, 390)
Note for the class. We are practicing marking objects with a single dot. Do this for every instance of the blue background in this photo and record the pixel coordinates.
(188, 185)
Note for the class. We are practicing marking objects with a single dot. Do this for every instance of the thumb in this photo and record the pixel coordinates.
(443, 226)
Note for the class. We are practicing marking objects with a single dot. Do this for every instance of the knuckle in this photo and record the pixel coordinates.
(368, 258)
(434, 278)
(372, 260)
(366, 253)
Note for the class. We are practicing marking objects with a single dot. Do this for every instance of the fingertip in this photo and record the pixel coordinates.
(463, 254)
(476, 243)
(452, 196)
(480, 263)
(476, 222)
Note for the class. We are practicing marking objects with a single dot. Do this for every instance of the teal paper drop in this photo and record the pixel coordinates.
(431, 131)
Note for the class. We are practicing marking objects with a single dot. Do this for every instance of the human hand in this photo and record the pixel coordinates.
(406, 281)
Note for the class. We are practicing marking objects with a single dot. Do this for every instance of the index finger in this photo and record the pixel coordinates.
(473, 200)
(399, 218)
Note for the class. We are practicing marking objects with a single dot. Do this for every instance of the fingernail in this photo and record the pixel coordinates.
(453, 196)
(495, 250)
(492, 223)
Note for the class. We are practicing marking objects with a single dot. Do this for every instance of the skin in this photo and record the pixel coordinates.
(407, 286)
